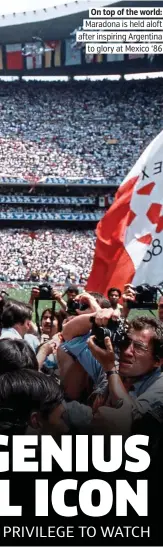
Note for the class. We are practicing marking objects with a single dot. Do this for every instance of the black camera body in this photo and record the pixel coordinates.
(115, 330)
(45, 292)
(72, 306)
(146, 298)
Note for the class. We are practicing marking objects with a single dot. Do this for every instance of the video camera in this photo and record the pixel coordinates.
(45, 292)
(146, 297)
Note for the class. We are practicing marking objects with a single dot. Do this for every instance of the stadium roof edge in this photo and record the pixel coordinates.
(54, 24)
(57, 11)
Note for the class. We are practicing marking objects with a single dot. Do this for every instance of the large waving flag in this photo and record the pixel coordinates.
(129, 244)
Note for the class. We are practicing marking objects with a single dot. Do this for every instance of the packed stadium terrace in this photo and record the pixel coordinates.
(46, 255)
(66, 133)
(63, 129)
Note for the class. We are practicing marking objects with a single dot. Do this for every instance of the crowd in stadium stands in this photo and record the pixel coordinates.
(46, 255)
(66, 130)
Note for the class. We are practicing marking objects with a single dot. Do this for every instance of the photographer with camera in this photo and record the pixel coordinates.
(36, 294)
(138, 384)
(52, 293)
(143, 297)
(50, 337)
(76, 333)
(71, 294)
(51, 321)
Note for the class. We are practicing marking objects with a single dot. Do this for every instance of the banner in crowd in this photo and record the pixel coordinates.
(14, 58)
(53, 56)
(130, 235)
(72, 56)
(1, 58)
(33, 59)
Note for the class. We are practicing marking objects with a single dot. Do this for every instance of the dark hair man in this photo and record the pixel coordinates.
(114, 295)
(33, 400)
(70, 293)
(16, 322)
(17, 315)
(16, 355)
(30, 398)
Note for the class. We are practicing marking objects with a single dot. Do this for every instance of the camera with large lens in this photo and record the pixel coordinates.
(45, 292)
(145, 297)
(116, 330)
(73, 305)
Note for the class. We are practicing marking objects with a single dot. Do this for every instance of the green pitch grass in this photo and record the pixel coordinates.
(24, 295)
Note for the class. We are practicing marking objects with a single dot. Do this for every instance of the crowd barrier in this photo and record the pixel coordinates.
(60, 181)
(51, 216)
(56, 200)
